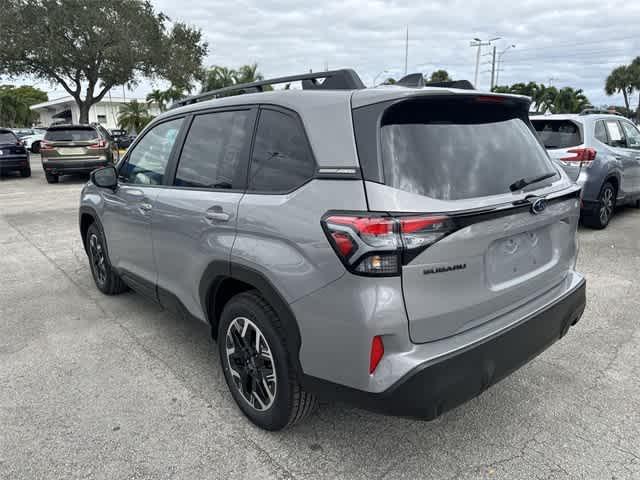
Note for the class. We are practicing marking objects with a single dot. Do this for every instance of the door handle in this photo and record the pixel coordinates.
(618, 157)
(216, 214)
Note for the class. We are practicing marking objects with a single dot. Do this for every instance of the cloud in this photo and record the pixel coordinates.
(574, 43)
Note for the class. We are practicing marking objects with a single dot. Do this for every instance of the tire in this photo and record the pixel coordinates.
(25, 172)
(105, 278)
(606, 208)
(280, 401)
(51, 178)
(35, 147)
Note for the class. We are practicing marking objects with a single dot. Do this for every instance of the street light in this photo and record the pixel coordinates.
(376, 77)
(500, 60)
(479, 43)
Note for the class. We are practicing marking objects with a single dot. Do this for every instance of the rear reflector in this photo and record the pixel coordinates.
(377, 351)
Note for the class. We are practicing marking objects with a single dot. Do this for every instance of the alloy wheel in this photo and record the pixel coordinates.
(98, 260)
(251, 363)
(606, 205)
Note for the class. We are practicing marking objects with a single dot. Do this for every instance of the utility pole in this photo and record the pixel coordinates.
(493, 68)
(479, 43)
(406, 51)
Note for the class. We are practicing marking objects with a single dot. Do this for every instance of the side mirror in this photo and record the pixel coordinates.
(105, 177)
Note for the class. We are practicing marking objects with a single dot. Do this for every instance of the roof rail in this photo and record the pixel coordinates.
(416, 80)
(345, 79)
(594, 111)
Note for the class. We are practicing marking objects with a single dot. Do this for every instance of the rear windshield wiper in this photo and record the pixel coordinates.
(524, 182)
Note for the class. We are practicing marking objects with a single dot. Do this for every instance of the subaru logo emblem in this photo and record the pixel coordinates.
(538, 206)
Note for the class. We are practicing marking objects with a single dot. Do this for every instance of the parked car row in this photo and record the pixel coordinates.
(600, 152)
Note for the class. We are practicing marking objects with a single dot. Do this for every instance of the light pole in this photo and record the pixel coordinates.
(480, 43)
(376, 77)
(500, 61)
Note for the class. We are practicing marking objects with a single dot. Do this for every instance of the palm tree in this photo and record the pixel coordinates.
(569, 100)
(158, 97)
(133, 116)
(218, 77)
(440, 76)
(621, 80)
(248, 74)
(635, 78)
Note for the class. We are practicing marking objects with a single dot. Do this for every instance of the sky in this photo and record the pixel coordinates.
(565, 43)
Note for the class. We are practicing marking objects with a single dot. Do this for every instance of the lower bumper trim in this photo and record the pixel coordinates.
(436, 387)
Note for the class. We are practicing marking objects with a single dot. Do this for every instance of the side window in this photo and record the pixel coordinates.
(147, 161)
(213, 150)
(632, 133)
(600, 132)
(281, 159)
(616, 139)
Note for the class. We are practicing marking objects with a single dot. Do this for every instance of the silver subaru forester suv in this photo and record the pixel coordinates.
(398, 248)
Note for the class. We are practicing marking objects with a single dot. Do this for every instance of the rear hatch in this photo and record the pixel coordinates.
(563, 139)
(475, 246)
(10, 144)
(72, 142)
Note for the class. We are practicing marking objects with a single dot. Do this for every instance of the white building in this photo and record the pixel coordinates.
(65, 110)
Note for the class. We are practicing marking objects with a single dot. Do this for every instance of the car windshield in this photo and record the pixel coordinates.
(71, 135)
(7, 137)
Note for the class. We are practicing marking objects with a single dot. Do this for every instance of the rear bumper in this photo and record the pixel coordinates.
(437, 386)
(14, 162)
(61, 166)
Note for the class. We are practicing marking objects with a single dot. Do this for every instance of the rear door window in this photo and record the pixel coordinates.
(558, 133)
(215, 151)
(600, 132)
(71, 135)
(451, 150)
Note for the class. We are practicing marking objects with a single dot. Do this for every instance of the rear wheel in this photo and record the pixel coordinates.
(25, 172)
(256, 365)
(605, 210)
(51, 178)
(35, 147)
(105, 278)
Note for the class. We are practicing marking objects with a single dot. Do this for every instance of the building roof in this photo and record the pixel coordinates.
(70, 99)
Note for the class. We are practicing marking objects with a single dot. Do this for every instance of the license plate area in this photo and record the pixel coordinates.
(71, 151)
(514, 258)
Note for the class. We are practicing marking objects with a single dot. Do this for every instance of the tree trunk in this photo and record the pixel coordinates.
(84, 111)
(626, 97)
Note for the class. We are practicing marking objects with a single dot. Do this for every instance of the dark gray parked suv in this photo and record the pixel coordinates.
(601, 152)
(399, 248)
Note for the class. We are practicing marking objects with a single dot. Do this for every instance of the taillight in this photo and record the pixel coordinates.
(44, 145)
(377, 351)
(583, 156)
(99, 144)
(370, 244)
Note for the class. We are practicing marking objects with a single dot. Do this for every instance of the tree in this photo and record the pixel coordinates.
(133, 116)
(158, 97)
(620, 80)
(248, 74)
(543, 98)
(439, 76)
(84, 44)
(15, 103)
(217, 77)
(634, 70)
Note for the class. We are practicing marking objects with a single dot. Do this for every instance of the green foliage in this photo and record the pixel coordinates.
(133, 116)
(15, 103)
(217, 77)
(620, 80)
(91, 45)
(543, 98)
(439, 76)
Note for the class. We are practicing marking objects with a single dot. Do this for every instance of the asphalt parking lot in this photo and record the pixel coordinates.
(116, 388)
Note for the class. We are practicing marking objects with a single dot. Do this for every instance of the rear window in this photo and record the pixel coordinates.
(558, 133)
(451, 150)
(8, 137)
(71, 134)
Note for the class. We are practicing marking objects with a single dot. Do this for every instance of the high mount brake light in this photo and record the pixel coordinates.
(583, 156)
(376, 245)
